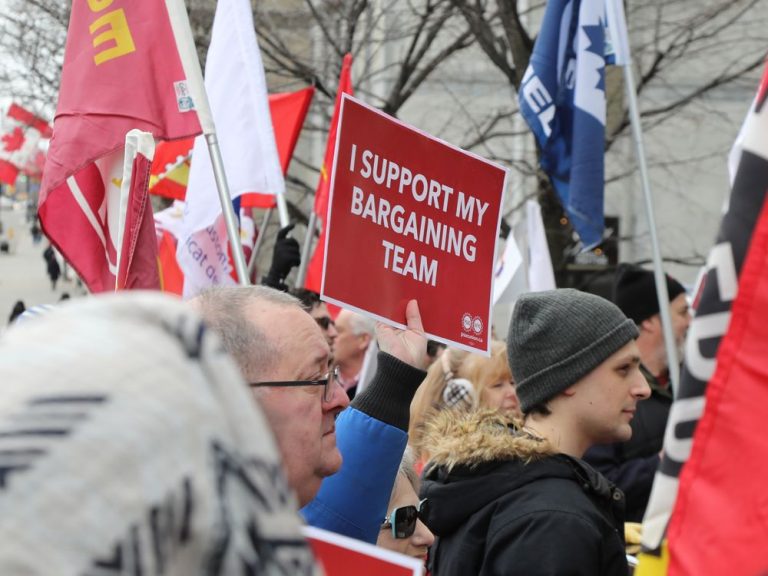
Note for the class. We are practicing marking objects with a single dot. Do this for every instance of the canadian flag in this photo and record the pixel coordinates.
(20, 135)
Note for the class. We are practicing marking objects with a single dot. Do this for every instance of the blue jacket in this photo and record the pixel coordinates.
(371, 435)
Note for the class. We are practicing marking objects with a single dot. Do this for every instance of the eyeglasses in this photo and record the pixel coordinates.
(328, 382)
(402, 520)
(324, 322)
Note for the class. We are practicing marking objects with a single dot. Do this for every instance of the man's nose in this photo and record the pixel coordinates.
(640, 388)
(339, 399)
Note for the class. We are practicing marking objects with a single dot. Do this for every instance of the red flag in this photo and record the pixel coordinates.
(171, 276)
(288, 112)
(122, 70)
(315, 267)
(137, 265)
(21, 132)
(170, 168)
(719, 522)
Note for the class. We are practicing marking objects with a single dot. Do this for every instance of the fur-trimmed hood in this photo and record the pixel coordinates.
(454, 438)
(481, 457)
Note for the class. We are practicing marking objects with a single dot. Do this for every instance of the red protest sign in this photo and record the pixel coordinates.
(412, 217)
(340, 555)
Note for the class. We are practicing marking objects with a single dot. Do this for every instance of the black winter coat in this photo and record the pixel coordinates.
(499, 506)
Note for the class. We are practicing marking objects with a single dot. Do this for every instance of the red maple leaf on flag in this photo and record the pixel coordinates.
(13, 141)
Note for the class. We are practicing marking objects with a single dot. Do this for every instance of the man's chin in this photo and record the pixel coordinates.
(331, 463)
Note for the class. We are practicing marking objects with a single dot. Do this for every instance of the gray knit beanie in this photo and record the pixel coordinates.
(557, 337)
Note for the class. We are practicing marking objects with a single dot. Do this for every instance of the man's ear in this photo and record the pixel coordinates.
(365, 340)
(652, 324)
(570, 391)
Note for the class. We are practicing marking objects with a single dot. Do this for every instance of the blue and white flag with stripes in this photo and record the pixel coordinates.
(562, 98)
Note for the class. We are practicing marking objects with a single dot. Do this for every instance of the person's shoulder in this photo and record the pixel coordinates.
(554, 485)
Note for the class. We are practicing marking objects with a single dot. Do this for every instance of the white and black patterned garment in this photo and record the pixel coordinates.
(129, 444)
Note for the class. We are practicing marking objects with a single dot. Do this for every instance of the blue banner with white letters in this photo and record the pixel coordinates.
(562, 98)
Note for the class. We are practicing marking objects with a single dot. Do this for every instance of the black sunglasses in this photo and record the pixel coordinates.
(324, 322)
(402, 520)
(328, 383)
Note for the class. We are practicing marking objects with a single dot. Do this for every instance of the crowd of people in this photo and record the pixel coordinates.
(196, 437)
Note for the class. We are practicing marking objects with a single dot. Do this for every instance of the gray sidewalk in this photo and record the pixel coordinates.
(22, 272)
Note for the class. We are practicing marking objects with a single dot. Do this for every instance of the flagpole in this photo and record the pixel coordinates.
(226, 208)
(259, 240)
(637, 133)
(302, 274)
(282, 210)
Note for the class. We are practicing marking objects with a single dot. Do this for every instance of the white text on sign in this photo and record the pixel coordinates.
(396, 178)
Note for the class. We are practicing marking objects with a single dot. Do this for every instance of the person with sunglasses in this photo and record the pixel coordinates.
(403, 530)
(285, 358)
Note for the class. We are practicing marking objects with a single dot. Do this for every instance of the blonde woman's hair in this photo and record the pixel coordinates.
(485, 372)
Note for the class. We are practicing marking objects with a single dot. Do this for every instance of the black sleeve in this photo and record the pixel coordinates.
(388, 396)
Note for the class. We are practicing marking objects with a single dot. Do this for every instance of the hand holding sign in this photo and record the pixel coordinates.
(410, 345)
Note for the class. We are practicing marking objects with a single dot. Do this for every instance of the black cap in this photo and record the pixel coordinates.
(635, 292)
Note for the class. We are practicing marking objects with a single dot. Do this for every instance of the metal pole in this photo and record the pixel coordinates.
(661, 283)
(259, 240)
(226, 208)
(308, 237)
(282, 210)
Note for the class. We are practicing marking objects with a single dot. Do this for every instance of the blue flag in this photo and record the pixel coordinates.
(562, 98)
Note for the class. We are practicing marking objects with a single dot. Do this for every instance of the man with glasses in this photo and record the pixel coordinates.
(284, 355)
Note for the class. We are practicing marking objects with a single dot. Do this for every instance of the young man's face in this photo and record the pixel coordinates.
(604, 401)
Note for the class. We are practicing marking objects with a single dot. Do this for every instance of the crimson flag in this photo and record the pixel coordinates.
(315, 268)
(137, 262)
(170, 168)
(126, 66)
(718, 523)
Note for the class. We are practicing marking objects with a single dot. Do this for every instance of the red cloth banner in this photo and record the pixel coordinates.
(138, 265)
(315, 266)
(170, 168)
(719, 523)
(412, 217)
(122, 70)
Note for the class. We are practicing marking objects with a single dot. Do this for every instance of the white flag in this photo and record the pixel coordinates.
(540, 273)
(237, 91)
(506, 268)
